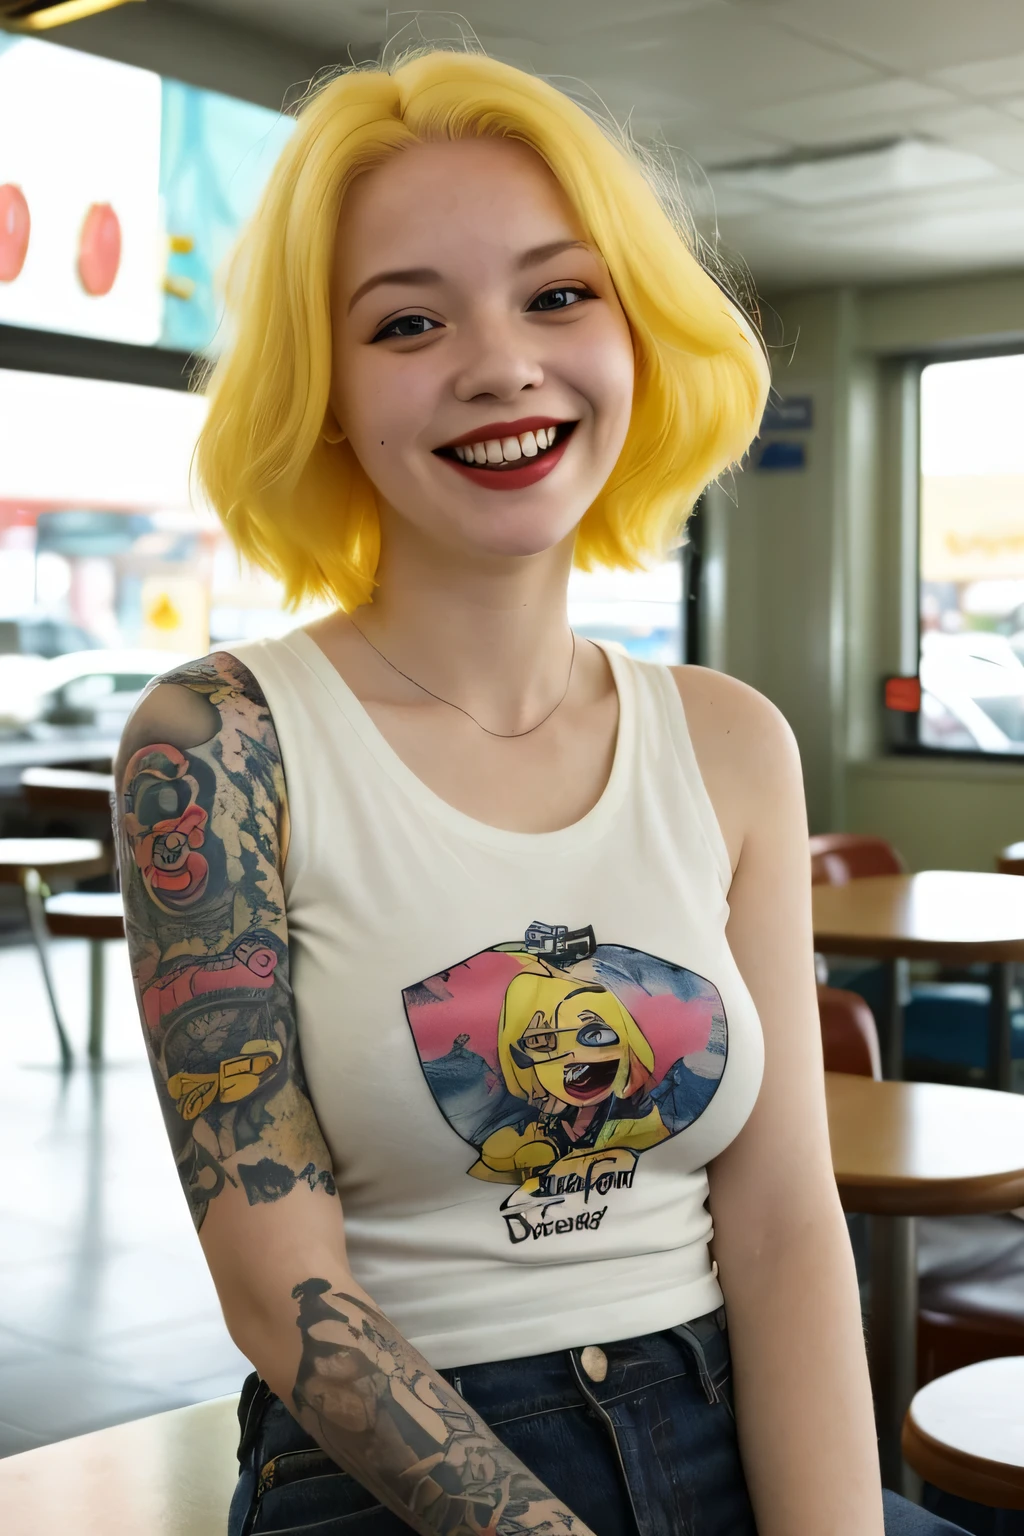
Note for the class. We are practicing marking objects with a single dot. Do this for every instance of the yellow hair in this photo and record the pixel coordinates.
(543, 991)
(304, 509)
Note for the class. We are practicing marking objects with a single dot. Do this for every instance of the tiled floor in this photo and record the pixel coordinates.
(107, 1311)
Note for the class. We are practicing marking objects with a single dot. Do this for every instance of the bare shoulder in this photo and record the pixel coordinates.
(192, 704)
(745, 749)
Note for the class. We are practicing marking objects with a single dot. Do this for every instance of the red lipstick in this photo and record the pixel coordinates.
(498, 429)
(519, 476)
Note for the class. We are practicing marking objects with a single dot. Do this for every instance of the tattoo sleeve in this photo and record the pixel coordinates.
(199, 833)
(379, 1409)
(201, 808)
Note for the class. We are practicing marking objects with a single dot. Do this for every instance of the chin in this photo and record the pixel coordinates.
(518, 535)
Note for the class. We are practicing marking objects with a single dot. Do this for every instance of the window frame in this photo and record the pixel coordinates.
(24, 350)
(909, 369)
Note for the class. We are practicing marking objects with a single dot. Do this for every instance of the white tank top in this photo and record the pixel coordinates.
(522, 1048)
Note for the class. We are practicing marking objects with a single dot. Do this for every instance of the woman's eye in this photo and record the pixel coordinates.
(406, 326)
(561, 298)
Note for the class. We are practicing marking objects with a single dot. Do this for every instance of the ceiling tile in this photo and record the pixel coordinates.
(713, 56)
(710, 146)
(911, 36)
(985, 77)
(860, 113)
(734, 80)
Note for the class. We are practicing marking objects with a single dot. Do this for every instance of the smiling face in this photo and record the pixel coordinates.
(579, 1055)
(496, 332)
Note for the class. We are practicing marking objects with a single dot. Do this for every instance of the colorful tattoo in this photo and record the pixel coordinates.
(379, 1409)
(204, 911)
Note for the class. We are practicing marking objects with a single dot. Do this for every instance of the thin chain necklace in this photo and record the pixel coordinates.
(504, 735)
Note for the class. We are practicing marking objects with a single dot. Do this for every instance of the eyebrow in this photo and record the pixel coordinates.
(428, 275)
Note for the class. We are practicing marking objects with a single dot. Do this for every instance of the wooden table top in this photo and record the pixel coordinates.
(925, 1149)
(46, 853)
(965, 1431)
(952, 915)
(67, 789)
(174, 1475)
(70, 779)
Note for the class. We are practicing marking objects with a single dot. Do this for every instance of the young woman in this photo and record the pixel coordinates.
(475, 959)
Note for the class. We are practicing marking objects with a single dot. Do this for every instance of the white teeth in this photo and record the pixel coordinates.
(509, 450)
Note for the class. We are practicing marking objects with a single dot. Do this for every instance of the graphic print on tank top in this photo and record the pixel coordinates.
(561, 1061)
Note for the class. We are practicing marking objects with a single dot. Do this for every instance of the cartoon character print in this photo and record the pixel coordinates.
(574, 1059)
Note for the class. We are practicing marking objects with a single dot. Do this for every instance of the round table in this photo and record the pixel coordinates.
(965, 1432)
(67, 789)
(953, 916)
(901, 1150)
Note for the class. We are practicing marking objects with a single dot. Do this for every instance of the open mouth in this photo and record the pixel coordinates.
(588, 1079)
(509, 453)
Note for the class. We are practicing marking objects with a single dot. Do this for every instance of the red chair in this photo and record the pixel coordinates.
(1011, 860)
(849, 1037)
(839, 857)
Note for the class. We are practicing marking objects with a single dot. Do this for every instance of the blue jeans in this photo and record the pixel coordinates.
(649, 1451)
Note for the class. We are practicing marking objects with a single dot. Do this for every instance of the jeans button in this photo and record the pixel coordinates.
(595, 1362)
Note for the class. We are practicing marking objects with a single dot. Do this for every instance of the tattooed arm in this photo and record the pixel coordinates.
(202, 828)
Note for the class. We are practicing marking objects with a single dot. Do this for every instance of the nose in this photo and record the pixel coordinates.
(499, 361)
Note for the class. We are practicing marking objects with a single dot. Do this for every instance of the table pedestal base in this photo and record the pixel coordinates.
(892, 1350)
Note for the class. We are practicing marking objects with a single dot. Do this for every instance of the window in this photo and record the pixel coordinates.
(971, 598)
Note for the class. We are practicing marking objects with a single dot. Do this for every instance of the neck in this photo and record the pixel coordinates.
(491, 635)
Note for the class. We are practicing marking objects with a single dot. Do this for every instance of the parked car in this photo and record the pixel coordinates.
(972, 692)
(85, 691)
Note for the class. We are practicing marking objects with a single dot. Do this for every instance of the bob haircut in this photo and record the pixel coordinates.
(303, 508)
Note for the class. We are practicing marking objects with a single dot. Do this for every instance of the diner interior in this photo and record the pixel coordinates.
(856, 172)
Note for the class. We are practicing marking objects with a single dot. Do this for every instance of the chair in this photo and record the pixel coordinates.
(97, 916)
(24, 861)
(169, 1475)
(838, 857)
(1011, 860)
(964, 1433)
(970, 1268)
(849, 1036)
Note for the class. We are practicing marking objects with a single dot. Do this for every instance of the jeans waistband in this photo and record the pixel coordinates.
(503, 1390)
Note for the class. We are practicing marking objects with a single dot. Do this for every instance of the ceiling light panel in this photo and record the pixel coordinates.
(891, 171)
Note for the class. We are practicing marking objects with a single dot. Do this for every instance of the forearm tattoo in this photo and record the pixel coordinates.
(198, 830)
(379, 1410)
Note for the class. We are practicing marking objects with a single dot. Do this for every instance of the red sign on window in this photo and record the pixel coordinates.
(903, 694)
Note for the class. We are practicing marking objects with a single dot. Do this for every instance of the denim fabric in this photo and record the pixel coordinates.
(649, 1451)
